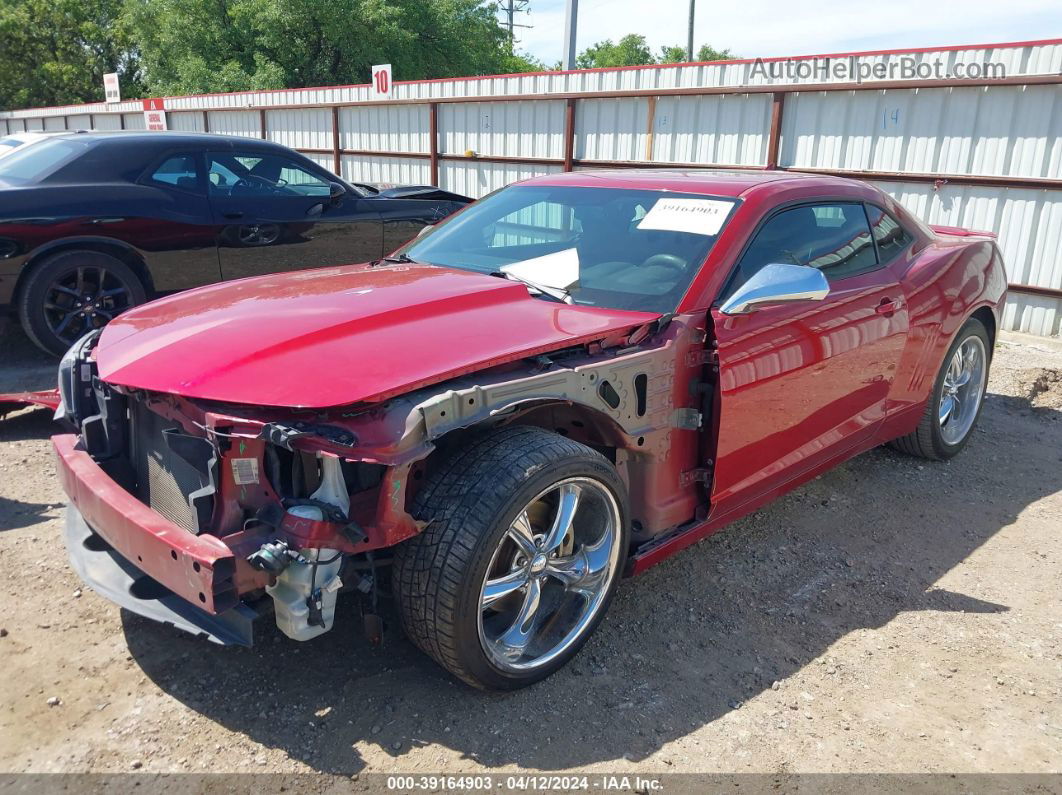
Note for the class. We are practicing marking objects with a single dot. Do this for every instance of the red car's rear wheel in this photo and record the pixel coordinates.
(956, 400)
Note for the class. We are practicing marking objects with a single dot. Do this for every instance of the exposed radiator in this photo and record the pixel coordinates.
(177, 485)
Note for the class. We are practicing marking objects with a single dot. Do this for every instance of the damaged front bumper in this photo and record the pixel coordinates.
(107, 572)
(114, 540)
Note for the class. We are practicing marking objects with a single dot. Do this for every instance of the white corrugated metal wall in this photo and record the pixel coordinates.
(993, 140)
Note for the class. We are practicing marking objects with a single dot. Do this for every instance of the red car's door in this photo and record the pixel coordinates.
(805, 382)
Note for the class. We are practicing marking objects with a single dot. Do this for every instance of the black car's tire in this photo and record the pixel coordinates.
(932, 438)
(68, 294)
(474, 503)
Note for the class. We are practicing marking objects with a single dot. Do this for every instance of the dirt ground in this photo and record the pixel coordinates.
(894, 615)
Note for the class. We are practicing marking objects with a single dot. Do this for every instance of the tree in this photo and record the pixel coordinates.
(522, 62)
(631, 50)
(55, 52)
(709, 53)
(674, 54)
(677, 54)
(194, 46)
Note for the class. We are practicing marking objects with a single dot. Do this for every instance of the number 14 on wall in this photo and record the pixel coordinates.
(890, 116)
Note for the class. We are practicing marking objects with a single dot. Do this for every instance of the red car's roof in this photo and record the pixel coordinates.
(713, 182)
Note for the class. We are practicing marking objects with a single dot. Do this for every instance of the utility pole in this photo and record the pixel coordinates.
(510, 8)
(571, 13)
(689, 39)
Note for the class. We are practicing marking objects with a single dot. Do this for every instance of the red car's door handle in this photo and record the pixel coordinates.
(887, 307)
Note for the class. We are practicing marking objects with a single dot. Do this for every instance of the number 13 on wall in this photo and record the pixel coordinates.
(381, 81)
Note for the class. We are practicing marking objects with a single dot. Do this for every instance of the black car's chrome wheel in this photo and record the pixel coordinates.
(73, 293)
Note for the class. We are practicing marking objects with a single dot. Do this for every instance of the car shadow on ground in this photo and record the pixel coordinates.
(23, 423)
(682, 645)
(15, 514)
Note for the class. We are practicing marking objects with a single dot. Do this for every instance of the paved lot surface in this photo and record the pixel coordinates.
(893, 615)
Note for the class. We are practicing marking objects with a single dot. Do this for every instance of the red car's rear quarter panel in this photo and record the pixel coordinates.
(945, 283)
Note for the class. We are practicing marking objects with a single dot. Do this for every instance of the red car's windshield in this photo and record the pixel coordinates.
(622, 249)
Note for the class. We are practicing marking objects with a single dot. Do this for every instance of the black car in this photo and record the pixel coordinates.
(93, 223)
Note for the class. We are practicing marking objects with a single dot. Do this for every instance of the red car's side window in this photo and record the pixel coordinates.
(834, 238)
(890, 238)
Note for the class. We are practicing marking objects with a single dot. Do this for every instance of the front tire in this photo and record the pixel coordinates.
(71, 293)
(956, 400)
(527, 534)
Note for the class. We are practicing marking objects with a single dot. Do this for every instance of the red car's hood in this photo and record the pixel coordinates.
(336, 336)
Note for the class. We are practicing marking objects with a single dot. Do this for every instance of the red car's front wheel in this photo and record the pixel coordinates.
(526, 537)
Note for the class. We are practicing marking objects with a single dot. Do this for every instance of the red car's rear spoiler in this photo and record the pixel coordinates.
(49, 399)
(958, 231)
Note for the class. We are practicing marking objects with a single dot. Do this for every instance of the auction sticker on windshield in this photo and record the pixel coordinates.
(696, 216)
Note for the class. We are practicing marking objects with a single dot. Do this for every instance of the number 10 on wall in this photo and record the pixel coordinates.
(381, 81)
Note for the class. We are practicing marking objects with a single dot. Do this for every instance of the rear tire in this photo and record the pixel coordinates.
(69, 294)
(482, 589)
(934, 438)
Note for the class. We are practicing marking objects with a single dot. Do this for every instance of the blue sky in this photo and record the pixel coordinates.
(755, 28)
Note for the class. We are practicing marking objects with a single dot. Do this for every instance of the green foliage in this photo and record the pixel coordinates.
(191, 46)
(521, 62)
(55, 52)
(631, 50)
(674, 54)
(708, 53)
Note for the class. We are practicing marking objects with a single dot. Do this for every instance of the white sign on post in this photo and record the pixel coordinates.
(381, 81)
(155, 115)
(111, 92)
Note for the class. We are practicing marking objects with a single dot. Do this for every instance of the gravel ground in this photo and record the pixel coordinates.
(893, 615)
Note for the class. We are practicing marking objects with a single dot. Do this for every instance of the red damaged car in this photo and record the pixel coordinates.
(564, 383)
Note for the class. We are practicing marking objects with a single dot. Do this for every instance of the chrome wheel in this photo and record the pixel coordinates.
(549, 576)
(963, 389)
(82, 299)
